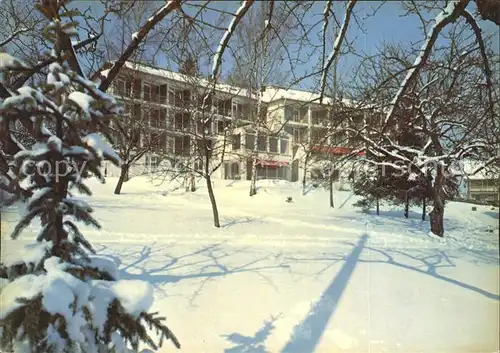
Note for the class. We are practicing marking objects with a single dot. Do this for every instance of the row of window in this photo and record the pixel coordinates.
(483, 184)
(178, 121)
(300, 115)
(232, 171)
(265, 143)
(165, 94)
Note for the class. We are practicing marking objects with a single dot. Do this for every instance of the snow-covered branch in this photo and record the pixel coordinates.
(445, 17)
(137, 38)
(336, 46)
(13, 35)
(224, 42)
(487, 71)
(485, 165)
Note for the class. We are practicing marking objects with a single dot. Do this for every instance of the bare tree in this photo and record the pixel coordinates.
(447, 104)
(9, 144)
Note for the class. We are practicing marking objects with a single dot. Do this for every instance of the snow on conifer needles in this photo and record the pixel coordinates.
(59, 297)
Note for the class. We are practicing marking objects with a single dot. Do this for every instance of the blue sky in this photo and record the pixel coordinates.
(387, 25)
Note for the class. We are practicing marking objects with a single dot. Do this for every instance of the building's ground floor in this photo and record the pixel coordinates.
(238, 168)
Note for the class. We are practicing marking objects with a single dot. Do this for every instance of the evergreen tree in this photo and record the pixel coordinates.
(62, 298)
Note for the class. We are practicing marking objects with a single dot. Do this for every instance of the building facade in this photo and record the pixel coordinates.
(168, 108)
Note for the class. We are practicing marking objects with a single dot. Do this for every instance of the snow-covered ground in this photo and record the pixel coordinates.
(301, 277)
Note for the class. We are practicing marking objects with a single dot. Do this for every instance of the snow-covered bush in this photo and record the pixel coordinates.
(59, 297)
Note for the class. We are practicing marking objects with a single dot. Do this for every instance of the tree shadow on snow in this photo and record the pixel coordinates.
(204, 264)
(494, 214)
(307, 334)
(233, 221)
(413, 224)
(428, 262)
(251, 344)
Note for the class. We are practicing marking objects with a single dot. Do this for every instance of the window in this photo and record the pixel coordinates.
(224, 107)
(204, 145)
(231, 170)
(182, 97)
(273, 144)
(163, 118)
(272, 173)
(236, 142)
(299, 135)
(155, 93)
(249, 141)
(236, 110)
(294, 113)
(263, 114)
(262, 143)
(171, 96)
(137, 114)
(147, 92)
(201, 99)
(186, 96)
(134, 86)
(319, 135)
(129, 109)
(221, 126)
(316, 117)
(120, 88)
(182, 121)
(157, 142)
(284, 146)
(181, 145)
(152, 162)
(261, 172)
(162, 94)
(135, 137)
(283, 173)
(154, 118)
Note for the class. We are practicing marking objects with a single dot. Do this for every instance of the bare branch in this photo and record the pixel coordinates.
(137, 38)
(224, 42)
(13, 35)
(447, 16)
(336, 47)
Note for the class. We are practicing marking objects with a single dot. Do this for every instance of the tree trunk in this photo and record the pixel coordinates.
(331, 189)
(407, 205)
(123, 178)
(193, 183)
(253, 183)
(378, 206)
(211, 195)
(437, 213)
(304, 177)
(423, 208)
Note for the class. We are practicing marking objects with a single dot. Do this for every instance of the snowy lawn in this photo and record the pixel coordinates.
(300, 277)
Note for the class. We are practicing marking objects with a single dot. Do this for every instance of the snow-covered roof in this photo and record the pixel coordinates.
(270, 94)
(468, 168)
(274, 93)
(178, 77)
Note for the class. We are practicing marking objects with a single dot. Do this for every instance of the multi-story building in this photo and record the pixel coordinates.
(293, 125)
(481, 186)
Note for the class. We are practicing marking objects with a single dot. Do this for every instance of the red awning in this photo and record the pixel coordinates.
(335, 150)
(272, 164)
